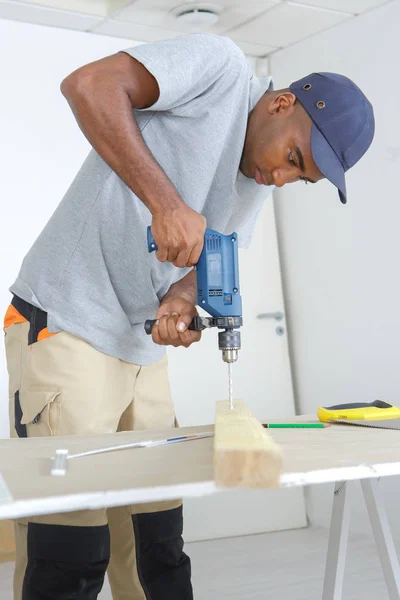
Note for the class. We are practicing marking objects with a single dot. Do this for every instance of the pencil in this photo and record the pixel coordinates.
(295, 425)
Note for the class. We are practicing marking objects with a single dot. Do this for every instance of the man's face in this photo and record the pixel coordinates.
(277, 148)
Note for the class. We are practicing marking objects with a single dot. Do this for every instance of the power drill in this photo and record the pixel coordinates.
(218, 293)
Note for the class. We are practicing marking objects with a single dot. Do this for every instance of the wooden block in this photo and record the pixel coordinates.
(7, 541)
(244, 453)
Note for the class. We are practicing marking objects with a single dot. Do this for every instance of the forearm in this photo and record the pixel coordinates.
(103, 110)
(102, 96)
(184, 288)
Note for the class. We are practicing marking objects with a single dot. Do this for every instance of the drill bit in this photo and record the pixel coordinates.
(230, 386)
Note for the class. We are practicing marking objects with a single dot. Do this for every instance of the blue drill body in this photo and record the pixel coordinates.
(218, 289)
(217, 274)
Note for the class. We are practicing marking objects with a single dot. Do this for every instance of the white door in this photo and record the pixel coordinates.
(261, 377)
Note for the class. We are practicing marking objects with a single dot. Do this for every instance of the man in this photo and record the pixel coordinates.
(183, 135)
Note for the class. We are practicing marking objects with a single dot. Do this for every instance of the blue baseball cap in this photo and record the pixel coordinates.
(343, 123)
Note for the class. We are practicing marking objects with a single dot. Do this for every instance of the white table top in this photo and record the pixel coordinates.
(311, 456)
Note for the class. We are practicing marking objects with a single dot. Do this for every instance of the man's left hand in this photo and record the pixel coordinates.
(173, 319)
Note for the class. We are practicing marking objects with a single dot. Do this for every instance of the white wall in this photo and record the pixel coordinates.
(41, 146)
(341, 262)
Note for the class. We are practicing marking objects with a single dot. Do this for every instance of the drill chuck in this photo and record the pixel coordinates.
(229, 344)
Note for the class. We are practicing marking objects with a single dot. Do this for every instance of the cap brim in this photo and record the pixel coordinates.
(327, 162)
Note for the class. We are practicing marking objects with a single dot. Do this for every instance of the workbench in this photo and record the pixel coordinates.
(336, 454)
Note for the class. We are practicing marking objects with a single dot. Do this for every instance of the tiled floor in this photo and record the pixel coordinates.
(276, 566)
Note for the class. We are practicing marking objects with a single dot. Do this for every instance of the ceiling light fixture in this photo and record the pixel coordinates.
(198, 15)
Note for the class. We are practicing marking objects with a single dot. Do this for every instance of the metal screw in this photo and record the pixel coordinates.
(280, 331)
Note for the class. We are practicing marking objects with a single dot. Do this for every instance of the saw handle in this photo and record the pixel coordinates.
(195, 325)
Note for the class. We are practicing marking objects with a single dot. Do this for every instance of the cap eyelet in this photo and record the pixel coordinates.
(307, 87)
(320, 104)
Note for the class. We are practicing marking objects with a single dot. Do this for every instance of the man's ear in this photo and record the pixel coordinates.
(282, 104)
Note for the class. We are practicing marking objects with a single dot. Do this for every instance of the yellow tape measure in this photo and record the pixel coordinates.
(372, 411)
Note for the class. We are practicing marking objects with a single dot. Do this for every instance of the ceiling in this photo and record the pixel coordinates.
(259, 27)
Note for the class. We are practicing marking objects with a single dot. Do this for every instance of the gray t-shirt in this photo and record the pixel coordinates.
(90, 268)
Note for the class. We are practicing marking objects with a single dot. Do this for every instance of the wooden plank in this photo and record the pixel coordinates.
(7, 541)
(244, 453)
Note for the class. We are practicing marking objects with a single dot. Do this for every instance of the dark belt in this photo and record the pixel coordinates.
(36, 317)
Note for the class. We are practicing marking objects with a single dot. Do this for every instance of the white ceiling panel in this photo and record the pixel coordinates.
(18, 11)
(134, 31)
(288, 23)
(259, 27)
(159, 13)
(253, 49)
(90, 7)
(350, 6)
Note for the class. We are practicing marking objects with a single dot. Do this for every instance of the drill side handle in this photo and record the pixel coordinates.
(195, 325)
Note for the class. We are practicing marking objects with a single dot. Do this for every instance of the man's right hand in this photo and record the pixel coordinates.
(179, 235)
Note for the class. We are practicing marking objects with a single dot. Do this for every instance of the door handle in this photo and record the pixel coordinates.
(278, 316)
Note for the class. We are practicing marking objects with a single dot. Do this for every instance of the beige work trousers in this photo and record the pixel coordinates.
(66, 387)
